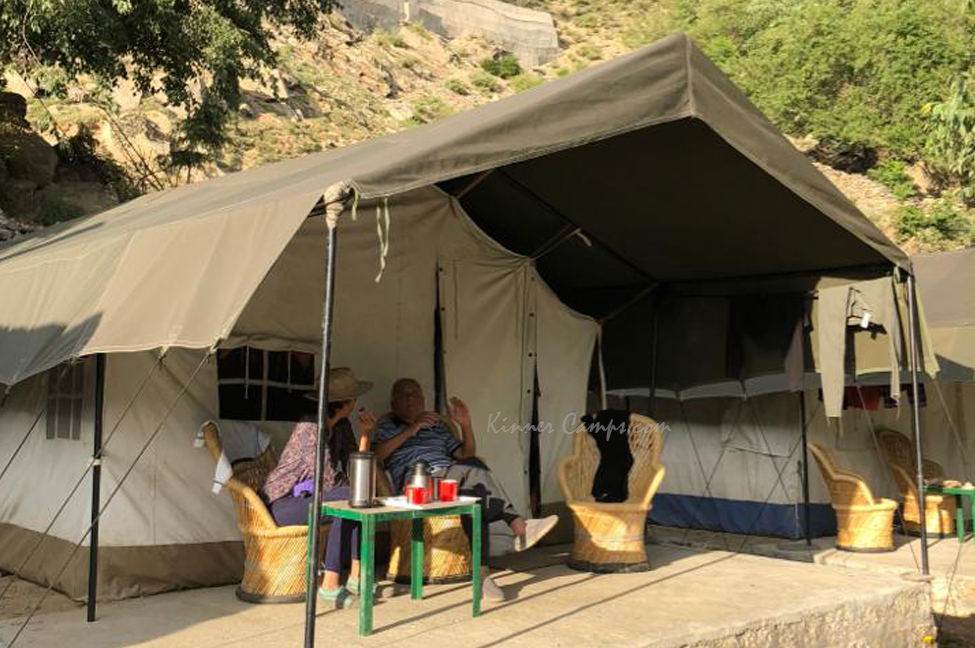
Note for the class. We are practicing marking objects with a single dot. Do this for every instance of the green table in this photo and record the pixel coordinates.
(369, 517)
(960, 493)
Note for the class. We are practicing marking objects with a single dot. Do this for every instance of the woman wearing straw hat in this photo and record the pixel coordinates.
(293, 480)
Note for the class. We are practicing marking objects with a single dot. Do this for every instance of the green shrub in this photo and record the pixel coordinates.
(936, 226)
(505, 66)
(485, 82)
(892, 173)
(56, 210)
(458, 87)
(951, 137)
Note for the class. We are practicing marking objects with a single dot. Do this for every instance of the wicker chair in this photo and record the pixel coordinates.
(863, 523)
(939, 509)
(609, 537)
(274, 557)
(446, 549)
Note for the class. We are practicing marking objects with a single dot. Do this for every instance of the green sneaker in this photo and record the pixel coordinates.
(339, 598)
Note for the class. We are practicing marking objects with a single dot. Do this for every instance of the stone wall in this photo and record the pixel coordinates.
(528, 34)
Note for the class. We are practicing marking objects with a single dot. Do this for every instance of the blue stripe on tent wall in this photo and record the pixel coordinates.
(740, 516)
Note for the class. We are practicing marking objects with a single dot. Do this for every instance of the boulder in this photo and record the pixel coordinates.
(27, 156)
(13, 109)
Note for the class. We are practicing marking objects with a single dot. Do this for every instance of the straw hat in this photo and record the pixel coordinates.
(342, 385)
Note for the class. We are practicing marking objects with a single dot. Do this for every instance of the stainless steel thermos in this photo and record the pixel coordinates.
(362, 479)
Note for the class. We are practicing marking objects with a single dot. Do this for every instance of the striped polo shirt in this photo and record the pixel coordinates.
(435, 445)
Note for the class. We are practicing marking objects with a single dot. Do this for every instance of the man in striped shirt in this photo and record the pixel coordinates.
(410, 433)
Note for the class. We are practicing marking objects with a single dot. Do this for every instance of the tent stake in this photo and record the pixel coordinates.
(805, 469)
(916, 420)
(311, 595)
(96, 485)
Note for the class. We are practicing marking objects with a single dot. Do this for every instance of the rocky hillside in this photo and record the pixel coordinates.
(345, 87)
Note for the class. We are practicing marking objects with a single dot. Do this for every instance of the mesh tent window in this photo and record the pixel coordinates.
(259, 385)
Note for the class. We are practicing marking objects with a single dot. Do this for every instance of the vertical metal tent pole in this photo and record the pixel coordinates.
(806, 524)
(311, 594)
(652, 391)
(916, 420)
(96, 485)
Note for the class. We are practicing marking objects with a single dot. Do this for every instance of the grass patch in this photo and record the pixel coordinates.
(458, 87)
(892, 173)
(428, 109)
(485, 82)
(525, 81)
(389, 40)
(591, 52)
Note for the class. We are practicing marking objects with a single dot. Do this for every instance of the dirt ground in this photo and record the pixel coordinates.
(23, 596)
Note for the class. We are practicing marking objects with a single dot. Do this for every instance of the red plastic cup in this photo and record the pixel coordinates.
(448, 490)
(416, 495)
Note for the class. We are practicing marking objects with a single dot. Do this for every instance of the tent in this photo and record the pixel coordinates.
(486, 254)
(740, 438)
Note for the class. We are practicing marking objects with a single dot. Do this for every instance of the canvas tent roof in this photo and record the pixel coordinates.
(945, 281)
(666, 168)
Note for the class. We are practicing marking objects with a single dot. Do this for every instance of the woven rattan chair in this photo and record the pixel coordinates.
(447, 551)
(863, 523)
(609, 537)
(274, 557)
(939, 509)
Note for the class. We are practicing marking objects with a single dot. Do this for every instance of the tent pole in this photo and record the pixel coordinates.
(311, 595)
(652, 401)
(96, 485)
(916, 420)
(805, 469)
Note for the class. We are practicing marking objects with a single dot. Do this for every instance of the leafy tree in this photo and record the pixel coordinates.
(195, 52)
(854, 71)
(951, 137)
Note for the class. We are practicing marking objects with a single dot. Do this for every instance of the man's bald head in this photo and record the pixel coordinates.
(407, 400)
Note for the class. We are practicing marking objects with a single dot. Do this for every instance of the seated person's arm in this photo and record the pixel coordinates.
(462, 416)
(385, 448)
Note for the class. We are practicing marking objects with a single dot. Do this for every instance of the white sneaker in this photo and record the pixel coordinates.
(490, 590)
(535, 530)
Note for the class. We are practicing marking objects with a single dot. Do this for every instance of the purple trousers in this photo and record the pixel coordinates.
(342, 537)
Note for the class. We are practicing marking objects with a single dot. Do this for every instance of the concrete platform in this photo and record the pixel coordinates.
(695, 598)
(951, 564)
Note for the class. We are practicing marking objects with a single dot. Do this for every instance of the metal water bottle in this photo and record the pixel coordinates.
(362, 479)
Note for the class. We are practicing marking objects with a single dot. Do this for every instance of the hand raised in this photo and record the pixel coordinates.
(460, 413)
(367, 423)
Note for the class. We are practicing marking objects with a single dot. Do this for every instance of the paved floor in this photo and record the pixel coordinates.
(691, 597)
